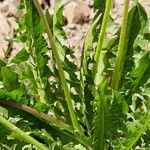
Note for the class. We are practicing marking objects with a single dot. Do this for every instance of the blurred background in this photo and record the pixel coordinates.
(78, 15)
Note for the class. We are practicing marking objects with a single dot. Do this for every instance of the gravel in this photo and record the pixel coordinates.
(78, 14)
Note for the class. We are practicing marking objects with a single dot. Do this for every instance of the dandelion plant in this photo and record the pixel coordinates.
(49, 102)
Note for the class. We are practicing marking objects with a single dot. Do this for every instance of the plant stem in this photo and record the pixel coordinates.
(37, 114)
(60, 68)
(101, 37)
(46, 117)
(121, 50)
(21, 135)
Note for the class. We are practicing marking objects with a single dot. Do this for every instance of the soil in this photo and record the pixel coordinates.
(78, 13)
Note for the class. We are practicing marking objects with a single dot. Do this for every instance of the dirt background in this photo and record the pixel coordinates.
(78, 13)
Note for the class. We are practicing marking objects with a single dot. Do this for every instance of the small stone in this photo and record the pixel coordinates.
(4, 26)
(3, 46)
(10, 8)
(72, 26)
(4, 7)
(76, 12)
(89, 3)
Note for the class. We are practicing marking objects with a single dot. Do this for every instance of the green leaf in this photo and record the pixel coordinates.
(136, 25)
(39, 106)
(16, 94)
(85, 72)
(32, 19)
(42, 65)
(38, 61)
(35, 28)
(141, 74)
(88, 45)
(4, 93)
(135, 133)
(117, 115)
(58, 19)
(2, 64)
(20, 57)
(147, 36)
(101, 127)
(143, 18)
(10, 79)
(100, 5)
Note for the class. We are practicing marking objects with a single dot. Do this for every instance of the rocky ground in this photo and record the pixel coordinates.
(77, 12)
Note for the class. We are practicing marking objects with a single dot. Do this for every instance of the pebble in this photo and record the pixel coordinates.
(78, 13)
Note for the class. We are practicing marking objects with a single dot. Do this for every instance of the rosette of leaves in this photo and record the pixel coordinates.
(51, 103)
